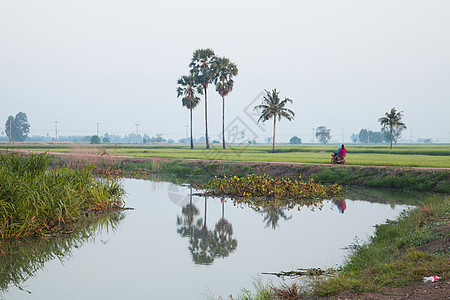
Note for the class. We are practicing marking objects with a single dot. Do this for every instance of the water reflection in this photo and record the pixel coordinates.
(21, 259)
(273, 214)
(205, 245)
(226, 244)
(211, 246)
(341, 205)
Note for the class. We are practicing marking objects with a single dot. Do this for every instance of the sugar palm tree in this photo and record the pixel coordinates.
(224, 84)
(188, 89)
(204, 73)
(272, 107)
(392, 120)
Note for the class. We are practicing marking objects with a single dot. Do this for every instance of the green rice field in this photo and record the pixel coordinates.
(432, 156)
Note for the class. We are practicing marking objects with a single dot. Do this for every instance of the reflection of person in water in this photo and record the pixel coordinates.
(341, 205)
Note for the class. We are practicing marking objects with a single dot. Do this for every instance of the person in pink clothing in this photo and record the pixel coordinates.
(343, 151)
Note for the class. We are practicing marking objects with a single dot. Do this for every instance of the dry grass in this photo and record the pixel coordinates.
(293, 291)
(157, 164)
(81, 156)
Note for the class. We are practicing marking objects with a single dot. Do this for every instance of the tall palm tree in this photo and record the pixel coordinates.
(202, 68)
(392, 119)
(272, 107)
(189, 89)
(224, 84)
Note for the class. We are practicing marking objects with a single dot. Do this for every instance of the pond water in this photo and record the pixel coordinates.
(176, 246)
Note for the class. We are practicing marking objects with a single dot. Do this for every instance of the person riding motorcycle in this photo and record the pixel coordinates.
(339, 157)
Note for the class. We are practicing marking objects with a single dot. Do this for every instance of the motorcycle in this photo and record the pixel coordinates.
(336, 159)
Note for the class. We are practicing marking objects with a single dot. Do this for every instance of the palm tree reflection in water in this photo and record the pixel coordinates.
(205, 245)
(273, 214)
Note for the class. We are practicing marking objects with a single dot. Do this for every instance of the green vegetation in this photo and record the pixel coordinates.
(263, 187)
(17, 128)
(36, 201)
(393, 257)
(323, 134)
(395, 176)
(272, 107)
(225, 71)
(203, 70)
(393, 121)
(190, 100)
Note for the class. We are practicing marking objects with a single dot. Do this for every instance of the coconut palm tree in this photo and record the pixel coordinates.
(272, 107)
(392, 120)
(189, 89)
(204, 73)
(224, 84)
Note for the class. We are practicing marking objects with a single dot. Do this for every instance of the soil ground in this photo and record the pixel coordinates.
(418, 290)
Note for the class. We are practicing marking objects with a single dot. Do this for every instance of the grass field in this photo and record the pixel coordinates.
(435, 156)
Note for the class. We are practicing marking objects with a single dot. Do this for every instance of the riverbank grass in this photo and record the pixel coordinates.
(36, 200)
(393, 256)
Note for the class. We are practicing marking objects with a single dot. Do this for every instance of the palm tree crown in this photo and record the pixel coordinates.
(225, 71)
(392, 119)
(272, 107)
(188, 89)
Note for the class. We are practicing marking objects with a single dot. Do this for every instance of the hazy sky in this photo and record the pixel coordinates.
(343, 63)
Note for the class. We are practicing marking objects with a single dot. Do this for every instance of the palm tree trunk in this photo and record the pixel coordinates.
(192, 139)
(274, 124)
(206, 119)
(223, 122)
(392, 129)
(204, 223)
(223, 209)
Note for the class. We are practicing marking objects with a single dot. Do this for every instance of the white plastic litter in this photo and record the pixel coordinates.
(431, 279)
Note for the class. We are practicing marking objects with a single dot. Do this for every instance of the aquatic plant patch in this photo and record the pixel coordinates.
(264, 187)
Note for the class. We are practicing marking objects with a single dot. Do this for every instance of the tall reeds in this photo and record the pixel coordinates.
(35, 200)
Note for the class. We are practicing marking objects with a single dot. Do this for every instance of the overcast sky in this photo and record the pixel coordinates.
(343, 63)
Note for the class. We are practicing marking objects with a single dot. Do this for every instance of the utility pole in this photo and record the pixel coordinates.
(137, 132)
(56, 131)
(342, 136)
(98, 124)
(10, 131)
(313, 134)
